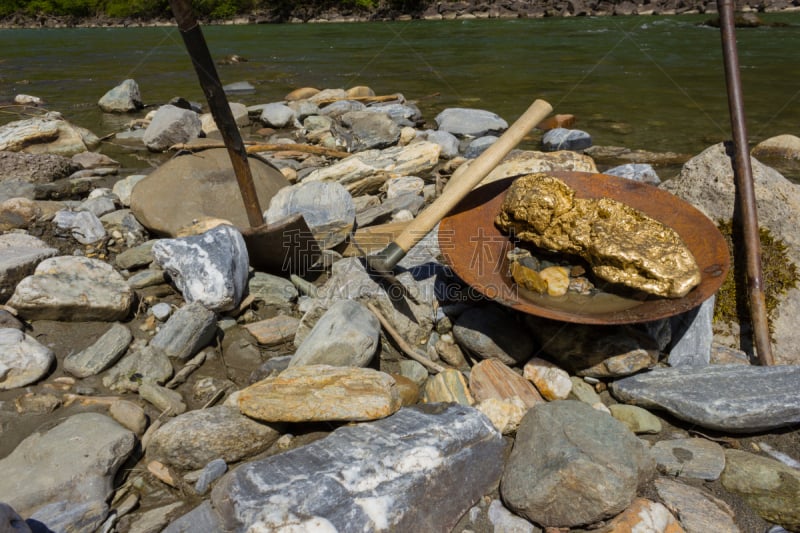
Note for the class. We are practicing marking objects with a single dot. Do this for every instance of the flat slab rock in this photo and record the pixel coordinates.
(418, 470)
(734, 398)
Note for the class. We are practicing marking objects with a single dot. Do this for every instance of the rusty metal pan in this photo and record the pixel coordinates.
(476, 251)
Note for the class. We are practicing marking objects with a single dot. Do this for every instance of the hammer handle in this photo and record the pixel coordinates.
(464, 182)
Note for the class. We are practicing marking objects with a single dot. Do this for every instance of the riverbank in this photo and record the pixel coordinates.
(144, 358)
(465, 10)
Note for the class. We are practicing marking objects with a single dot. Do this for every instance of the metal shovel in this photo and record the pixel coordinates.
(287, 247)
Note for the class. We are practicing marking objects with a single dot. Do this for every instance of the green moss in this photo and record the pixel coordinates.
(779, 275)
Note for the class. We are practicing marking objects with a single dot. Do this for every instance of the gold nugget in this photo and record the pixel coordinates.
(621, 244)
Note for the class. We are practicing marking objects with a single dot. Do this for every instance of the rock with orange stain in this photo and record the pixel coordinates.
(309, 393)
(552, 382)
(492, 379)
(645, 516)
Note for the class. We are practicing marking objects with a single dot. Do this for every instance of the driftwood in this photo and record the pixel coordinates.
(253, 148)
(365, 99)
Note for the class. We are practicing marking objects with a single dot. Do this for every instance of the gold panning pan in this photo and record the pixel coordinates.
(476, 251)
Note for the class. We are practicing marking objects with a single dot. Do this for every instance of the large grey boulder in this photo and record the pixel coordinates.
(199, 186)
(417, 470)
(572, 465)
(74, 461)
(706, 181)
(716, 396)
(171, 125)
(123, 98)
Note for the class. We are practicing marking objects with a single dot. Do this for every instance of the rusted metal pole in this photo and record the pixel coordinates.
(743, 175)
(218, 105)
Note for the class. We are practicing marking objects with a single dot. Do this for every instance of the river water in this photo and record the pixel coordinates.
(654, 83)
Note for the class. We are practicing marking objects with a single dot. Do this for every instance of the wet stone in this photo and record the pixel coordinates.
(102, 354)
(566, 139)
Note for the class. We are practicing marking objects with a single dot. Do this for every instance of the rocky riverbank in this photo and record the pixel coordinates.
(450, 10)
(155, 375)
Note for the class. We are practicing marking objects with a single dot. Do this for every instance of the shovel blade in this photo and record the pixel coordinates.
(288, 247)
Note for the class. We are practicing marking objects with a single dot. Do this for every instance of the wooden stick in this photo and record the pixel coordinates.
(402, 344)
(367, 99)
(253, 147)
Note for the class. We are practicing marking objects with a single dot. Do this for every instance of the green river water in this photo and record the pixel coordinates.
(654, 83)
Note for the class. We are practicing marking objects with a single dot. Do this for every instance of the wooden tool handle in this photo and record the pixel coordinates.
(463, 183)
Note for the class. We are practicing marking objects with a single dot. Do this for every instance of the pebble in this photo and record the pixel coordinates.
(540, 485)
(552, 382)
(689, 458)
(167, 401)
(768, 486)
(637, 419)
(366, 477)
(424, 476)
(22, 359)
(492, 379)
(274, 331)
(102, 354)
(129, 415)
(698, 509)
(448, 386)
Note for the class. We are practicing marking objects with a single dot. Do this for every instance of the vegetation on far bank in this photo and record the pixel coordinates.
(217, 9)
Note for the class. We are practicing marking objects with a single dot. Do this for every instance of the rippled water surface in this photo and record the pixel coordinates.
(654, 83)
